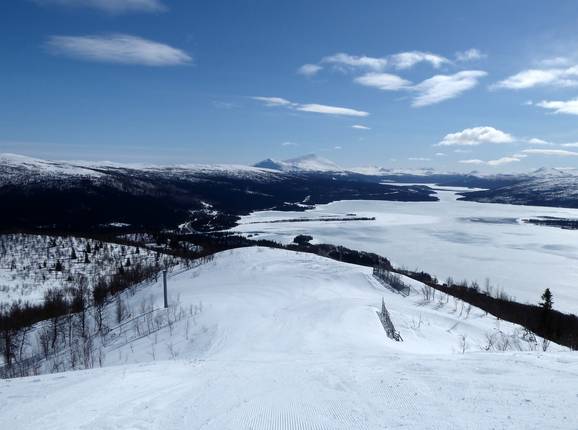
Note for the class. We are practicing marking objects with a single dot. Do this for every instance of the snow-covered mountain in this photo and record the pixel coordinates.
(87, 194)
(286, 340)
(307, 163)
(544, 187)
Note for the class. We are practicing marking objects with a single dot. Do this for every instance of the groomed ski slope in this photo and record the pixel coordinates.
(286, 340)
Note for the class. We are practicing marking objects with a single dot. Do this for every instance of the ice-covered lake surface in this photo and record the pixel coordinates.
(449, 238)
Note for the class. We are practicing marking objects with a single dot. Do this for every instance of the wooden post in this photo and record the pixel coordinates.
(165, 288)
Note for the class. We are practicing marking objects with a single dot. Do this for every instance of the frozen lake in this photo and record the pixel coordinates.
(464, 240)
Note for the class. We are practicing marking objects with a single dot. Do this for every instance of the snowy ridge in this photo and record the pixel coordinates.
(18, 169)
(306, 163)
(286, 340)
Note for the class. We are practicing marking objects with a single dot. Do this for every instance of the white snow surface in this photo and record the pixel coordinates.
(286, 340)
(449, 238)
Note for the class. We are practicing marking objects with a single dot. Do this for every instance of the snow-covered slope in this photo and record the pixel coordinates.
(544, 187)
(285, 340)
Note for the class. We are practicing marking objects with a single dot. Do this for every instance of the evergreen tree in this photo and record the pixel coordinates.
(547, 300)
(86, 260)
(73, 254)
(58, 266)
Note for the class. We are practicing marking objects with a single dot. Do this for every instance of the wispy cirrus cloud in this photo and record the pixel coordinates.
(399, 61)
(536, 141)
(273, 101)
(472, 161)
(360, 127)
(342, 60)
(569, 107)
(476, 136)
(109, 6)
(406, 60)
(555, 77)
(309, 69)
(330, 110)
(551, 152)
(471, 54)
(310, 107)
(117, 48)
(428, 92)
(383, 81)
(444, 87)
(494, 163)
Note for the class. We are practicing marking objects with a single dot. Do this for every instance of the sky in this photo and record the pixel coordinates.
(478, 85)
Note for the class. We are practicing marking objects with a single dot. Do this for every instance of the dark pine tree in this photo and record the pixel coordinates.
(58, 266)
(547, 300)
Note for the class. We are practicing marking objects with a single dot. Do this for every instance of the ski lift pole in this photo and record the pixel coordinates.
(166, 303)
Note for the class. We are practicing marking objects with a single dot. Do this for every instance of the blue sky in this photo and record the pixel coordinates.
(484, 85)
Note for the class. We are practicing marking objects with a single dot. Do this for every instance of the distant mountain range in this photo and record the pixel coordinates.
(89, 195)
(96, 196)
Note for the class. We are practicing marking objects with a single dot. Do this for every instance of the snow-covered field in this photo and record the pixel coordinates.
(449, 238)
(285, 340)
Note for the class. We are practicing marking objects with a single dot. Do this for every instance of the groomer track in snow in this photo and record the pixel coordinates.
(285, 340)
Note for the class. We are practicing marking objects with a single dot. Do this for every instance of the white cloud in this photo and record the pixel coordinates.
(288, 144)
(430, 91)
(540, 77)
(110, 6)
(443, 87)
(461, 150)
(476, 136)
(570, 145)
(400, 61)
(360, 127)
(309, 69)
(310, 107)
(406, 60)
(503, 160)
(118, 48)
(440, 154)
(536, 141)
(419, 159)
(383, 81)
(330, 110)
(471, 54)
(273, 101)
(551, 152)
(474, 161)
(364, 62)
(568, 107)
(556, 61)
(494, 163)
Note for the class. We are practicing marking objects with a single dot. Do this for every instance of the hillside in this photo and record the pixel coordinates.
(545, 187)
(286, 340)
(89, 196)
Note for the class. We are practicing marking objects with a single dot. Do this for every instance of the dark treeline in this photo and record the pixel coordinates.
(567, 224)
(546, 322)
